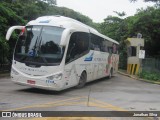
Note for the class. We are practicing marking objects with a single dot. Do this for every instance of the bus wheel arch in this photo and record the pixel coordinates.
(82, 80)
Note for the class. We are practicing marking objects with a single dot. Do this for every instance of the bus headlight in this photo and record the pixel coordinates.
(55, 77)
(13, 71)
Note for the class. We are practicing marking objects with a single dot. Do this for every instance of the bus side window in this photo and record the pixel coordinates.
(92, 46)
(81, 43)
(71, 48)
(114, 47)
(78, 44)
(95, 43)
(96, 47)
(110, 50)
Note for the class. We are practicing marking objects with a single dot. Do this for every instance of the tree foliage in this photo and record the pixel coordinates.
(146, 22)
(19, 12)
(7, 18)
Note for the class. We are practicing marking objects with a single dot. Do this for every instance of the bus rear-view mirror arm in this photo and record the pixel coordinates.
(11, 29)
(64, 38)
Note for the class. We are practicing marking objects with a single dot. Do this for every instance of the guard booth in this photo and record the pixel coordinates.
(135, 54)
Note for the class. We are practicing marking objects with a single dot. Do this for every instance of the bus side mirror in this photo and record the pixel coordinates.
(65, 36)
(11, 29)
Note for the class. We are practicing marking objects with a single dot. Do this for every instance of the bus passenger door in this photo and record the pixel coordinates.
(70, 74)
(70, 68)
(95, 71)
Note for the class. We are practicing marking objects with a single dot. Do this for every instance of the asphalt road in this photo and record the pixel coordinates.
(119, 93)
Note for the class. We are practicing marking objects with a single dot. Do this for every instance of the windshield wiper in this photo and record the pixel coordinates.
(35, 47)
(24, 57)
(40, 52)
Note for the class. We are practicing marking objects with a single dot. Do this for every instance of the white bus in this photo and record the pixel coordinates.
(56, 53)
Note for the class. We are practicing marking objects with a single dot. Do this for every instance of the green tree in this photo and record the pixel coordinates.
(146, 21)
(116, 28)
(121, 14)
(7, 18)
(51, 2)
(19, 12)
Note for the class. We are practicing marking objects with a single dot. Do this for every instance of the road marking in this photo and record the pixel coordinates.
(101, 104)
(62, 104)
(73, 101)
(37, 105)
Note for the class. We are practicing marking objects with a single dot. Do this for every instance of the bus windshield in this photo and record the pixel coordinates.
(39, 45)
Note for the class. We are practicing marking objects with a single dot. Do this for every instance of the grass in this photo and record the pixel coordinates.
(153, 76)
(146, 75)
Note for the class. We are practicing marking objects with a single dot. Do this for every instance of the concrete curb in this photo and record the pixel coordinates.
(137, 78)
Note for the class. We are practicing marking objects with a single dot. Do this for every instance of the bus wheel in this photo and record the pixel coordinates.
(82, 80)
(110, 73)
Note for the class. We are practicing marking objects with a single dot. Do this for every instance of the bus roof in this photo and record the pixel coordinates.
(66, 22)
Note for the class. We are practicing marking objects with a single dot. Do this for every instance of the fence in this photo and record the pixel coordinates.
(5, 67)
(151, 64)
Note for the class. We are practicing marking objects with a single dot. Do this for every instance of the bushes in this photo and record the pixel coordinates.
(7, 18)
(4, 50)
(155, 76)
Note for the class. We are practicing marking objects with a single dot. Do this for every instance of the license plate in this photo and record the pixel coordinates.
(31, 82)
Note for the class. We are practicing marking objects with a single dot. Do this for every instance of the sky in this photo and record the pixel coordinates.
(98, 10)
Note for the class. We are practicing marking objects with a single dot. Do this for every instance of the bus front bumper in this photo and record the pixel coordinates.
(42, 83)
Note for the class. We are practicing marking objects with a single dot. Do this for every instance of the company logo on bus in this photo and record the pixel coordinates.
(44, 21)
(89, 58)
(31, 53)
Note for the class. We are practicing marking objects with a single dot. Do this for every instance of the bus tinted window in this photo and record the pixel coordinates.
(96, 43)
(115, 48)
(103, 45)
(40, 45)
(78, 45)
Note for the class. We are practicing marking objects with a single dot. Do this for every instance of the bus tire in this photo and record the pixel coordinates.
(82, 80)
